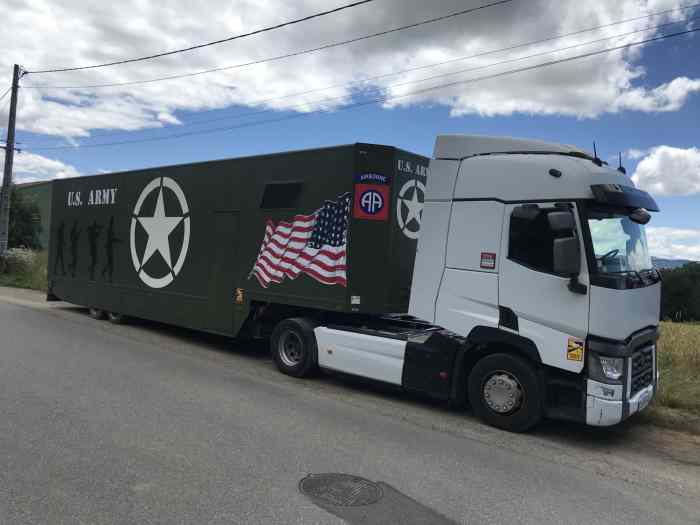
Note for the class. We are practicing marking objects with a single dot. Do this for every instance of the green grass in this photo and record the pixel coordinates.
(679, 363)
(33, 277)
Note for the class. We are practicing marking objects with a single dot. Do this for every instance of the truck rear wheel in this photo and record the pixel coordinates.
(116, 318)
(98, 314)
(293, 346)
(505, 391)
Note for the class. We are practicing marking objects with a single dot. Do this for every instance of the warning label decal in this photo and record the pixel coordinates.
(574, 350)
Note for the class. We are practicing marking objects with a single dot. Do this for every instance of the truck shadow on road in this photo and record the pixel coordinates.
(155, 332)
(559, 430)
(388, 397)
(634, 438)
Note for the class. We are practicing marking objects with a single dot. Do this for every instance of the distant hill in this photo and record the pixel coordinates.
(668, 264)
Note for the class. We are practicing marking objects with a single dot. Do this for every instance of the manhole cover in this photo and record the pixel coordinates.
(342, 490)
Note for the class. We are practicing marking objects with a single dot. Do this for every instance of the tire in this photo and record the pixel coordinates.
(98, 314)
(293, 347)
(116, 318)
(506, 392)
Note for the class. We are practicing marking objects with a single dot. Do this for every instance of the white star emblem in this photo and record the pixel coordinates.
(158, 228)
(413, 206)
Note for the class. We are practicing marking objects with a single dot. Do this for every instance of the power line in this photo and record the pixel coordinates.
(207, 44)
(3, 105)
(380, 100)
(2, 108)
(433, 77)
(6, 92)
(462, 71)
(280, 57)
(469, 57)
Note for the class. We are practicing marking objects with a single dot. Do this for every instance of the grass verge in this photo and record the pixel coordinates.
(33, 276)
(679, 364)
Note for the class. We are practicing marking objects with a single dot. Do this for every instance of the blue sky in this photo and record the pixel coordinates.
(412, 125)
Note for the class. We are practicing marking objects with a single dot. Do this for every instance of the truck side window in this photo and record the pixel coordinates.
(281, 195)
(531, 239)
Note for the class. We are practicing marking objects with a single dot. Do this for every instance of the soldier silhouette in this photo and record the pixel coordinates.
(93, 234)
(108, 270)
(60, 242)
(74, 237)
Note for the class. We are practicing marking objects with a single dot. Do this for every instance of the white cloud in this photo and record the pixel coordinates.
(668, 171)
(71, 32)
(674, 243)
(665, 98)
(635, 154)
(30, 167)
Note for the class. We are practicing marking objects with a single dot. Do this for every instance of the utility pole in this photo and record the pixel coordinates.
(9, 157)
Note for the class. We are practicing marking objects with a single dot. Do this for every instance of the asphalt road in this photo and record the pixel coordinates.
(150, 424)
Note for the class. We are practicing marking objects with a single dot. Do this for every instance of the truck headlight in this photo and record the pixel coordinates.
(606, 369)
(612, 367)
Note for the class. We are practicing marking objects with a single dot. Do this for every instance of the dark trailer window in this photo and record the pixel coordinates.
(281, 195)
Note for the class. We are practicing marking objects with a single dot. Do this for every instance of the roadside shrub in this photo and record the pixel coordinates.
(17, 260)
(25, 221)
(24, 269)
(680, 293)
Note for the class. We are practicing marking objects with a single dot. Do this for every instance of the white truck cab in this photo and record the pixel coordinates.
(539, 250)
(533, 293)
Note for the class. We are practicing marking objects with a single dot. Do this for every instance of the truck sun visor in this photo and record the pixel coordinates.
(623, 196)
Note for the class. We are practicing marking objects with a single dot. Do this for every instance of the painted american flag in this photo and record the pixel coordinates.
(315, 245)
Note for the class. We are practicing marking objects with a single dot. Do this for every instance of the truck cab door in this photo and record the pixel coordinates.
(536, 303)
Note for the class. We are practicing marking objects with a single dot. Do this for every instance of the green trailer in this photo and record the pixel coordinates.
(517, 278)
(223, 246)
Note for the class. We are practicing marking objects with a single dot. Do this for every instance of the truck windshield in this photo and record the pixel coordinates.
(619, 244)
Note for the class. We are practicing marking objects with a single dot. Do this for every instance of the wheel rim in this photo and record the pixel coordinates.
(503, 393)
(290, 348)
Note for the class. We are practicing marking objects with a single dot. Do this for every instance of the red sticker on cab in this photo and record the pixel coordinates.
(488, 261)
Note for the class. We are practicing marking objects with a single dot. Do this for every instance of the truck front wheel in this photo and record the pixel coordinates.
(293, 346)
(505, 391)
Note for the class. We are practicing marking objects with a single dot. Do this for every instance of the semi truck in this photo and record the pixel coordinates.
(510, 275)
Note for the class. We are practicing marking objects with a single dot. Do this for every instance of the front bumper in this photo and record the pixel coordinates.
(604, 412)
(609, 404)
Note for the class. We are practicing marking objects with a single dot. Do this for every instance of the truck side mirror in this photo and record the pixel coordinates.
(567, 257)
(567, 249)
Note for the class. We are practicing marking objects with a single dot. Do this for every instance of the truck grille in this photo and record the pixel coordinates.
(642, 369)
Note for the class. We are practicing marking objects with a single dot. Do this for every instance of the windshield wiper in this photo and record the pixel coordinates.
(650, 275)
(630, 272)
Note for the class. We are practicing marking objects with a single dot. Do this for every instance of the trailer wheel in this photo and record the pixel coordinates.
(505, 391)
(293, 346)
(98, 314)
(116, 318)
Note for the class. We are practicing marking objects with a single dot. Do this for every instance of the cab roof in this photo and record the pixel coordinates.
(456, 147)
(517, 170)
